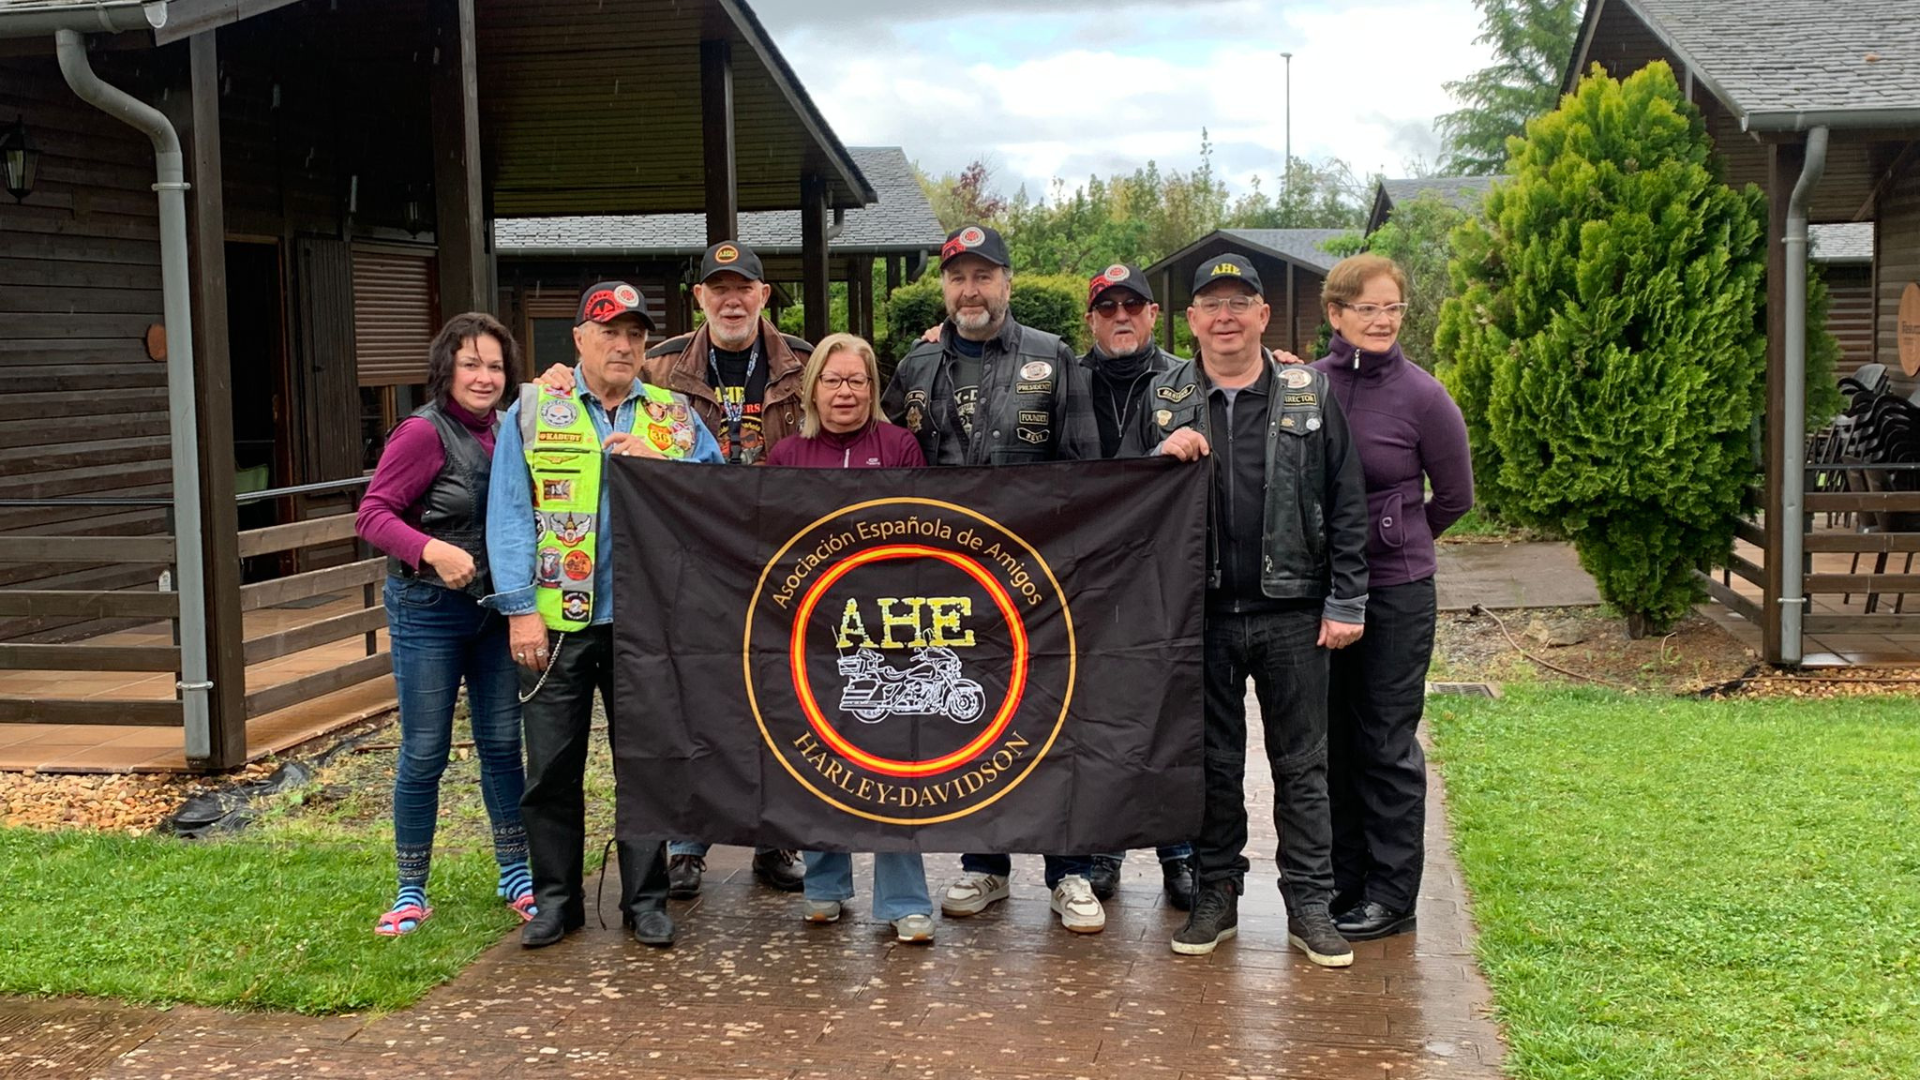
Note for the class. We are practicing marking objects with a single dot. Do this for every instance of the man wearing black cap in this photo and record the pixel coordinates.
(1288, 582)
(1121, 315)
(550, 554)
(743, 377)
(741, 372)
(993, 392)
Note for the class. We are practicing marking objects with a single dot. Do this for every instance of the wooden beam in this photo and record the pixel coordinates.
(1751, 532)
(86, 549)
(89, 658)
(1745, 569)
(265, 594)
(89, 604)
(100, 713)
(1784, 161)
(324, 632)
(295, 691)
(813, 254)
(1733, 600)
(298, 534)
(1862, 542)
(460, 210)
(1887, 501)
(716, 135)
(219, 522)
(896, 269)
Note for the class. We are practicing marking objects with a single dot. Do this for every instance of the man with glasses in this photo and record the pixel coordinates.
(1121, 315)
(1288, 582)
(990, 391)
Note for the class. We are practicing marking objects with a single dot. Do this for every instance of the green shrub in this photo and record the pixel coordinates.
(1056, 303)
(1605, 340)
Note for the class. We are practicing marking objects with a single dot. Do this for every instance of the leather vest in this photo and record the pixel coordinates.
(454, 508)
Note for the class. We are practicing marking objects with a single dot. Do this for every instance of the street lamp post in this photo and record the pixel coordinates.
(1286, 170)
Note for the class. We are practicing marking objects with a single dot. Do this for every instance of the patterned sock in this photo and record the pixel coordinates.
(412, 894)
(516, 888)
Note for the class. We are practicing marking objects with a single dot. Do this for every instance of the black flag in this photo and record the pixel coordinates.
(958, 659)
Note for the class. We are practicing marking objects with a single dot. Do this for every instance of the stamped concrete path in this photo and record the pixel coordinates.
(750, 991)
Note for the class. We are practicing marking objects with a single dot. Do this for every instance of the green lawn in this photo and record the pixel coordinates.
(279, 916)
(1693, 889)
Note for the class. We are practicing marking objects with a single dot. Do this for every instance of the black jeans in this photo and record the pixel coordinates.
(1377, 774)
(1289, 673)
(558, 718)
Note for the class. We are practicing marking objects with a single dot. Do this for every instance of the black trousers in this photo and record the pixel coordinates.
(1377, 772)
(558, 718)
(1289, 673)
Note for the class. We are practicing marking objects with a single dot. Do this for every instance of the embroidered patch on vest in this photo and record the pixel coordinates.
(1297, 379)
(1028, 416)
(1301, 399)
(1034, 437)
(1037, 369)
(1164, 418)
(578, 565)
(1045, 387)
(1168, 393)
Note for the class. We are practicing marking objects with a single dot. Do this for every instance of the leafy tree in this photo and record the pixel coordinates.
(1605, 340)
(1532, 41)
(1824, 400)
(963, 198)
(1417, 238)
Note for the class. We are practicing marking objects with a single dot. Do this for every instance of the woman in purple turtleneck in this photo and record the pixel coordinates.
(1411, 437)
(425, 508)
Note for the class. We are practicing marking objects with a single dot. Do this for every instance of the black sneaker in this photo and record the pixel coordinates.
(683, 876)
(781, 870)
(1104, 877)
(1312, 933)
(1179, 879)
(1215, 918)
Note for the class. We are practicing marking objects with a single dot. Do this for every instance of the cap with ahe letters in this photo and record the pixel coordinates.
(734, 257)
(606, 301)
(1229, 267)
(975, 240)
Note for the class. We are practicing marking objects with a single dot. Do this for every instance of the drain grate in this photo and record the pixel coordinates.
(1463, 689)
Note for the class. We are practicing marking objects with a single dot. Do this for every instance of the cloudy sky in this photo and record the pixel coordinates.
(1068, 88)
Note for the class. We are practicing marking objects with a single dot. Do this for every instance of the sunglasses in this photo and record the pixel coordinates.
(1133, 306)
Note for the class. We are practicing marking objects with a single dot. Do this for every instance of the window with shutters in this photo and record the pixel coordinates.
(394, 314)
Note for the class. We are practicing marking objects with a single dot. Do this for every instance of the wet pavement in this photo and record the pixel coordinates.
(750, 991)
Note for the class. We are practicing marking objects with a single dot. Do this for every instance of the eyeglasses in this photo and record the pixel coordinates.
(851, 382)
(1132, 306)
(1211, 305)
(1371, 311)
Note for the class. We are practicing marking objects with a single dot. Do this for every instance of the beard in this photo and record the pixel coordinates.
(974, 322)
(730, 341)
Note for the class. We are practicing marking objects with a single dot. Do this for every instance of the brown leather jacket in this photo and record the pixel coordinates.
(680, 364)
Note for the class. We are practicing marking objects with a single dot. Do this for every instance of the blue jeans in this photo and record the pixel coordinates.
(1167, 854)
(899, 881)
(1058, 866)
(440, 637)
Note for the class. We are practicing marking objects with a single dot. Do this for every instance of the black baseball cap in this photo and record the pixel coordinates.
(732, 256)
(1229, 267)
(1121, 276)
(975, 240)
(606, 301)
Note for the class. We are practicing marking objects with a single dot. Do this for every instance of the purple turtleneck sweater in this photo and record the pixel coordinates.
(1410, 434)
(878, 445)
(388, 517)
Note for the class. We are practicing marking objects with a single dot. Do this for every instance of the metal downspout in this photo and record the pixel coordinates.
(182, 423)
(1792, 599)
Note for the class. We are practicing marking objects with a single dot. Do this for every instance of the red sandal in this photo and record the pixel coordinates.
(390, 924)
(524, 907)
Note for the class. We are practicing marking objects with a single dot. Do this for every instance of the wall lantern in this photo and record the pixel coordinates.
(19, 161)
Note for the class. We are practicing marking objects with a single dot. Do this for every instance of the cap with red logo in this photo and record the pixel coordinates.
(975, 240)
(608, 300)
(1121, 276)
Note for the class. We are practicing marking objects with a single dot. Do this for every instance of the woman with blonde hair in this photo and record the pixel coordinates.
(842, 427)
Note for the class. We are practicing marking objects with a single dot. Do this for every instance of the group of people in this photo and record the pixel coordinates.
(1320, 587)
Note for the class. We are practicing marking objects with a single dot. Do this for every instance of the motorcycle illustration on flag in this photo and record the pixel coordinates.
(933, 686)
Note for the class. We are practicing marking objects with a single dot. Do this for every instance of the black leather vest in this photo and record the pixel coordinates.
(454, 507)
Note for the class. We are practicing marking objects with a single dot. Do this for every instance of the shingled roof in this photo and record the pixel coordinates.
(1773, 62)
(1300, 245)
(900, 221)
(1462, 192)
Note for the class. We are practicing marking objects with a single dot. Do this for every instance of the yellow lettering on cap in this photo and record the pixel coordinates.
(1224, 268)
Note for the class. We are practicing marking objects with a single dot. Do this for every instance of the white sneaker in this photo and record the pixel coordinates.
(973, 893)
(821, 911)
(915, 928)
(1078, 908)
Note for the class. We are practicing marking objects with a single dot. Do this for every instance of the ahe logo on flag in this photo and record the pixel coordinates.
(931, 659)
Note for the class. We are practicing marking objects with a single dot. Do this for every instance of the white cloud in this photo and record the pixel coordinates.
(1069, 88)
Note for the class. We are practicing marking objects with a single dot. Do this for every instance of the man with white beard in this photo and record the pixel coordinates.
(990, 391)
